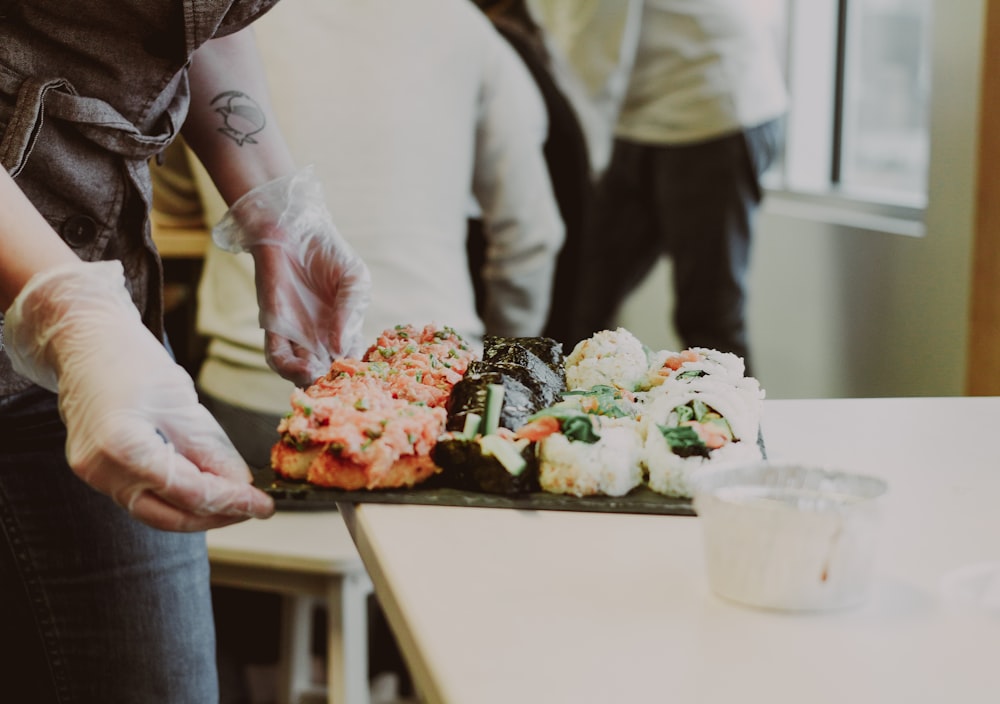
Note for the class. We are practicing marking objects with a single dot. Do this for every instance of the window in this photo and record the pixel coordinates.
(858, 74)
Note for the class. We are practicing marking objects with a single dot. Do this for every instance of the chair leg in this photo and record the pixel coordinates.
(347, 640)
(294, 674)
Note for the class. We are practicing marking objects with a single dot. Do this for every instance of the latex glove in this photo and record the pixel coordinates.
(312, 288)
(136, 431)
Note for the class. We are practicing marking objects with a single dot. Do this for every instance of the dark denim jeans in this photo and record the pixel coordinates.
(695, 203)
(94, 606)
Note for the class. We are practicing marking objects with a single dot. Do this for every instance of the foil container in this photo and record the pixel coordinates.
(788, 536)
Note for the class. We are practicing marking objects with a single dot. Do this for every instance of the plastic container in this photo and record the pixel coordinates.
(788, 536)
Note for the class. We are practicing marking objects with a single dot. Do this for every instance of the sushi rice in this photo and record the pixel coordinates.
(610, 357)
(673, 475)
(652, 386)
(700, 361)
(740, 405)
(611, 466)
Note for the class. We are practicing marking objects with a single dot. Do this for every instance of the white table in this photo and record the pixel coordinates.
(496, 606)
(307, 557)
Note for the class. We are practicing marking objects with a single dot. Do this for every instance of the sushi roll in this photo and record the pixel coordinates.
(530, 371)
(739, 405)
(372, 423)
(582, 454)
(608, 358)
(469, 396)
(542, 355)
(493, 464)
(692, 437)
(432, 357)
(486, 457)
(674, 369)
(360, 437)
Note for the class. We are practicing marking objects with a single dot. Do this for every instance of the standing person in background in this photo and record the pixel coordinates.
(422, 108)
(110, 469)
(567, 154)
(696, 93)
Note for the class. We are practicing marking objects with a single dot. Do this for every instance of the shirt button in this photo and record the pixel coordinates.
(79, 230)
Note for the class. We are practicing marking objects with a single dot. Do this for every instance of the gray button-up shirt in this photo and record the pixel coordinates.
(89, 91)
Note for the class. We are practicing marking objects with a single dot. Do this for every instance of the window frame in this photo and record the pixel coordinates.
(806, 182)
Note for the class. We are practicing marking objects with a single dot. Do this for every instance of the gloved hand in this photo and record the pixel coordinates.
(312, 288)
(136, 431)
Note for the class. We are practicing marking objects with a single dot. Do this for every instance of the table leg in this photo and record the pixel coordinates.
(347, 624)
(295, 676)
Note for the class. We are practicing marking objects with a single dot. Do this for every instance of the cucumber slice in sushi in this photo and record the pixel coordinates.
(476, 465)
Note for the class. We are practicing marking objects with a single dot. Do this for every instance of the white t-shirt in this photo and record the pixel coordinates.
(405, 108)
(672, 71)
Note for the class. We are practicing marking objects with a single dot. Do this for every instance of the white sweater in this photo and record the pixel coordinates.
(410, 110)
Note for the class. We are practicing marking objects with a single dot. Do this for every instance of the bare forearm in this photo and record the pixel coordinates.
(231, 126)
(28, 244)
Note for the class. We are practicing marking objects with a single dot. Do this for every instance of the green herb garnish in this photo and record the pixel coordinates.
(573, 423)
(684, 441)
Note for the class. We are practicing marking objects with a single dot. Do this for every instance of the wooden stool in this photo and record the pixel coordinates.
(309, 558)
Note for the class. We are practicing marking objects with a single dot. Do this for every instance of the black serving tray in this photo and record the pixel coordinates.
(292, 495)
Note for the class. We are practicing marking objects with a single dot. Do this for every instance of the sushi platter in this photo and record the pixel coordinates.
(422, 418)
(291, 495)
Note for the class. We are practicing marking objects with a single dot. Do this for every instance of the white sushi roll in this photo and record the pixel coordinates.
(716, 363)
(699, 398)
(609, 357)
(747, 389)
(672, 474)
(666, 367)
(611, 466)
(739, 405)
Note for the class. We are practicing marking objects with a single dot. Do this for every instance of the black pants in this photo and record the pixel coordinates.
(695, 203)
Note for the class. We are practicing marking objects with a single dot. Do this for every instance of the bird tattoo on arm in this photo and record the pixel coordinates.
(242, 117)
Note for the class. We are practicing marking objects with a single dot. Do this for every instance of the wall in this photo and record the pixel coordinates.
(845, 311)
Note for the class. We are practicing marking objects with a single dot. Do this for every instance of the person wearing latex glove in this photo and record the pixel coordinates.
(135, 428)
(397, 174)
(104, 582)
(312, 288)
(398, 154)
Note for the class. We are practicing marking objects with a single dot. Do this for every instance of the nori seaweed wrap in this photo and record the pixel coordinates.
(530, 370)
(466, 467)
(526, 351)
(469, 396)
(517, 405)
(541, 356)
